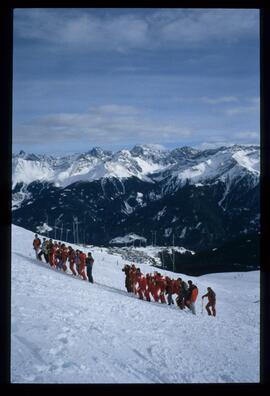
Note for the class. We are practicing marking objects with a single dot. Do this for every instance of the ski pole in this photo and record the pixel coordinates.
(202, 306)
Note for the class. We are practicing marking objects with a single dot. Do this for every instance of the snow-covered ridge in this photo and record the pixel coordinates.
(127, 239)
(146, 162)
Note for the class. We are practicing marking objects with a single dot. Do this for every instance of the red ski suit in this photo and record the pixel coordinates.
(72, 261)
(64, 256)
(141, 280)
(175, 287)
(143, 289)
(169, 285)
(133, 280)
(162, 288)
(82, 257)
(36, 243)
(211, 302)
(52, 259)
(153, 288)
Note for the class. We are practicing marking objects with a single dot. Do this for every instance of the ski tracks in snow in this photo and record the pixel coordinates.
(70, 332)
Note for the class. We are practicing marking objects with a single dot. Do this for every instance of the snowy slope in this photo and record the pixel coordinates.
(65, 330)
(93, 165)
(226, 165)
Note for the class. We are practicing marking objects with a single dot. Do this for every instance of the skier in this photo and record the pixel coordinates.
(71, 258)
(89, 266)
(126, 270)
(52, 252)
(57, 257)
(182, 293)
(169, 289)
(77, 260)
(43, 251)
(211, 301)
(64, 256)
(175, 287)
(140, 279)
(191, 297)
(161, 282)
(153, 287)
(147, 289)
(36, 245)
(133, 278)
(82, 257)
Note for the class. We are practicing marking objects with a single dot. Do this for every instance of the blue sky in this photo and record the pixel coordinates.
(119, 77)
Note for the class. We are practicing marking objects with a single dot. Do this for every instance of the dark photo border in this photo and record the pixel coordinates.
(6, 55)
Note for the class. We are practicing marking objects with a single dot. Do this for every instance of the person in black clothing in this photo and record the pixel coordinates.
(44, 250)
(126, 270)
(182, 294)
(89, 261)
(36, 245)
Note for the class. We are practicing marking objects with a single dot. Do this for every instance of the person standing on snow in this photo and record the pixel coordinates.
(82, 257)
(126, 270)
(162, 288)
(71, 258)
(77, 261)
(89, 261)
(64, 257)
(141, 281)
(133, 278)
(191, 297)
(182, 291)
(43, 251)
(211, 301)
(36, 246)
(169, 290)
(52, 254)
(147, 288)
(153, 288)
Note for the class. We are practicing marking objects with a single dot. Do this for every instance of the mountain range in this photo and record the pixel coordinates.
(199, 199)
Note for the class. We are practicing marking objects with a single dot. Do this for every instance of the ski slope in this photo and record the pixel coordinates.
(65, 330)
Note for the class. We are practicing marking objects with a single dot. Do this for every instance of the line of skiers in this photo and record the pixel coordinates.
(159, 287)
(57, 254)
(155, 285)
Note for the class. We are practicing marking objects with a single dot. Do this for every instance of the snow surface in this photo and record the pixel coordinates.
(225, 164)
(142, 162)
(127, 239)
(248, 160)
(44, 228)
(65, 330)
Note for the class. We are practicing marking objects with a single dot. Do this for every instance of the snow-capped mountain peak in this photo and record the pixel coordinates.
(146, 162)
(99, 152)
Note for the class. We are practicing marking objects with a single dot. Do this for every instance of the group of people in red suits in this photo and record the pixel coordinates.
(155, 287)
(57, 254)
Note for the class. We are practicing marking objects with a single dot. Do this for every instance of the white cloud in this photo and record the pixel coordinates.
(248, 135)
(200, 26)
(124, 31)
(233, 111)
(214, 140)
(255, 100)
(219, 100)
(112, 124)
